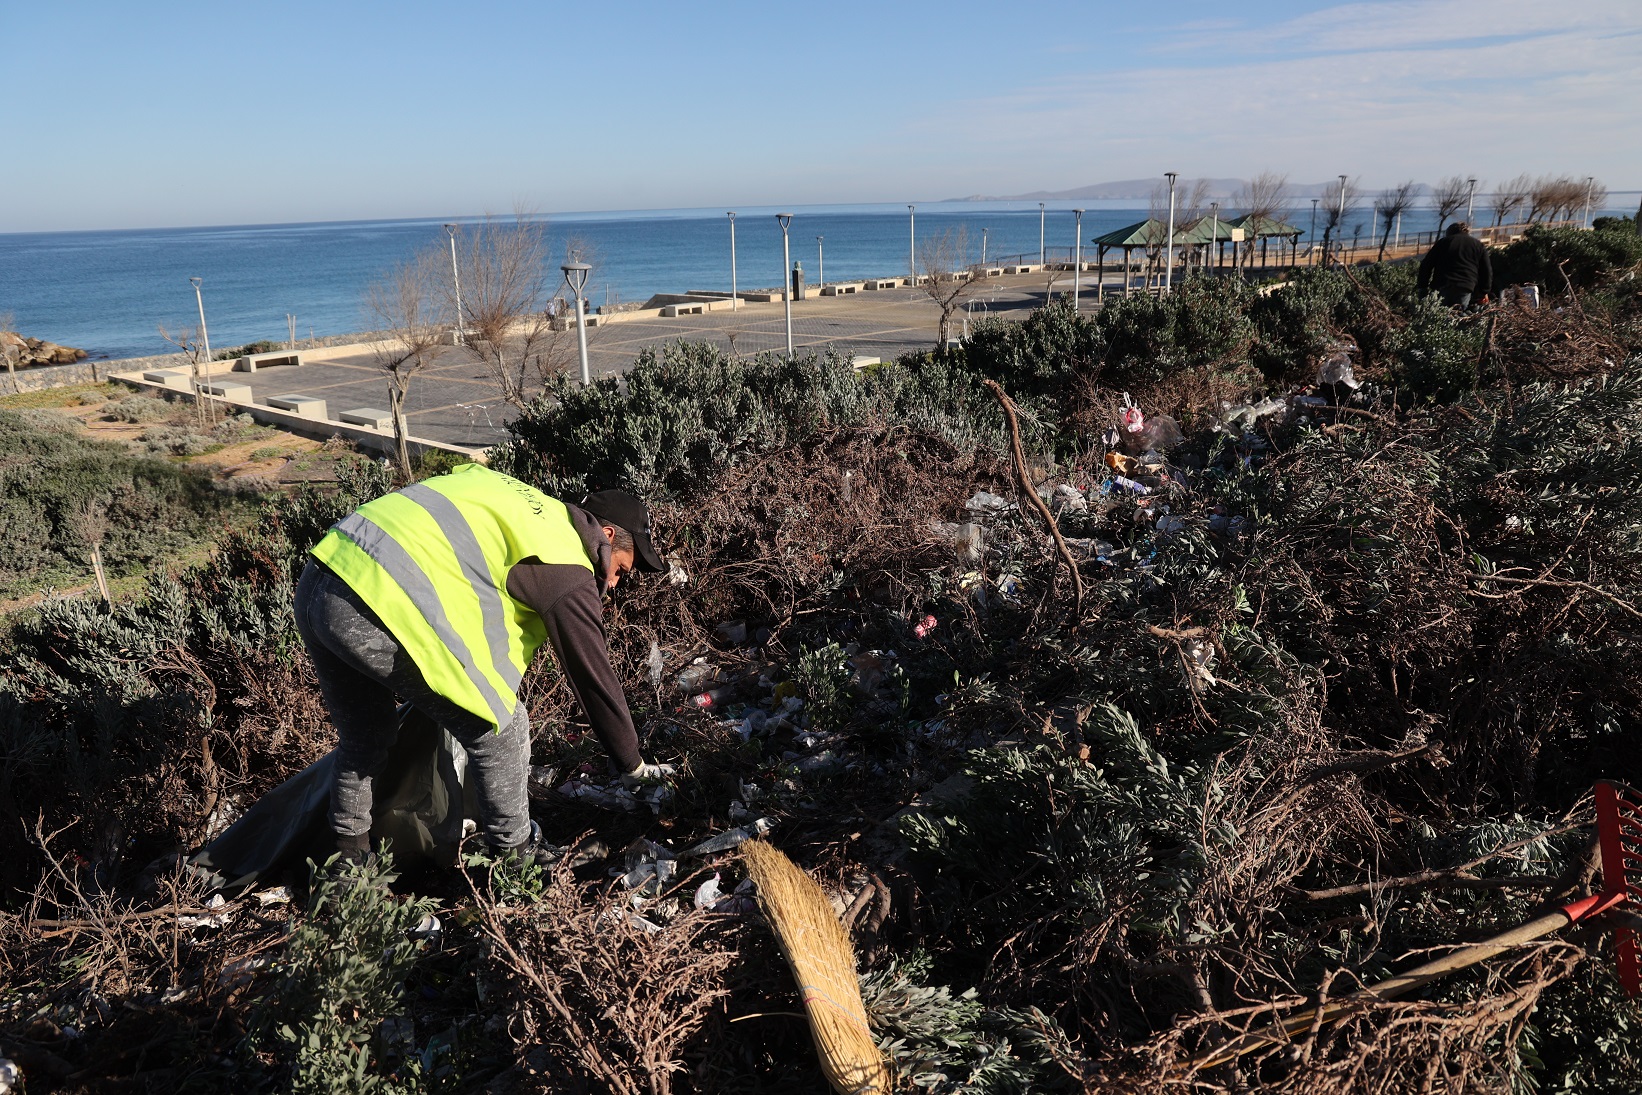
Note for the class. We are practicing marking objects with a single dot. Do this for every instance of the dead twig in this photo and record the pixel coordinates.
(1031, 493)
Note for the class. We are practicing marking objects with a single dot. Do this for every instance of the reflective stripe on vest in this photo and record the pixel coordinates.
(432, 562)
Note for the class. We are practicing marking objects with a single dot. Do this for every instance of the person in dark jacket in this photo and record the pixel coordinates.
(439, 595)
(1457, 268)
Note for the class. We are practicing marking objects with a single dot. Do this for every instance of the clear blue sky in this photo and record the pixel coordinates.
(134, 115)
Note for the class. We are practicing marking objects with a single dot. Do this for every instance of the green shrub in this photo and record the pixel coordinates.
(1203, 324)
(1296, 322)
(261, 346)
(1036, 356)
(1436, 358)
(142, 408)
(437, 462)
(1589, 258)
(342, 974)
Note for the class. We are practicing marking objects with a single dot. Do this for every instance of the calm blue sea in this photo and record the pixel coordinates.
(107, 291)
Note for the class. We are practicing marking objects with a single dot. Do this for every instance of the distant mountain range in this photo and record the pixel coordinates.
(1141, 190)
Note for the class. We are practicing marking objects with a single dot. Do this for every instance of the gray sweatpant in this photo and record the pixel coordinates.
(361, 669)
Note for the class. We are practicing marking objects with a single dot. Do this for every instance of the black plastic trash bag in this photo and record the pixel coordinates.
(421, 800)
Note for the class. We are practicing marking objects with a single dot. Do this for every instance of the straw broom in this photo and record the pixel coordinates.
(823, 964)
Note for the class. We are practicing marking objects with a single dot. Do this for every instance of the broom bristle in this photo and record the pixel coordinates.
(823, 963)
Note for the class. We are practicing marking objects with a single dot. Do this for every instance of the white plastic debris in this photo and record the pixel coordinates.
(11, 1077)
(613, 797)
(731, 838)
(212, 919)
(279, 895)
(707, 893)
(429, 928)
(985, 503)
(1336, 367)
(1068, 499)
(653, 664)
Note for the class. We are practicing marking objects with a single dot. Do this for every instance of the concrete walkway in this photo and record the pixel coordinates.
(456, 401)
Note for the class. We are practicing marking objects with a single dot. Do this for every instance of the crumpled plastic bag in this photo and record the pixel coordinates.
(422, 797)
(1336, 367)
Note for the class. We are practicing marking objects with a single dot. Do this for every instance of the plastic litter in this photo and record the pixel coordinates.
(987, 504)
(697, 675)
(279, 895)
(676, 574)
(1133, 421)
(730, 838)
(1336, 367)
(212, 919)
(653, 664)
(923, 627)
(713, 697)
(429, 929)
(1123, 483)
(11, 1077)
(1161, 433)
(733, 632)
(1068, 499)
(1119, 463)
(707, 893)
(968, 539)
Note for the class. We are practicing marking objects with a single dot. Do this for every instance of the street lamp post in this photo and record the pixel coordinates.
(1589, 179)
(820, 263)
(734, 303)
(1342, 216)
(575, 276)
(1168, 241)
(785, 219)
(1040, 233)
(1470, 198)
(1312, 237)
(1077, 258)
(984, 231)
(205, 339)
(1214, 233)
(456, 280)
(912, 242)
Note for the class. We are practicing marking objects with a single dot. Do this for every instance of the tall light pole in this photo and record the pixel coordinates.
(1342, 218)
(205, 338)
(1168, 241)
(575, 276)
(785, 219)
(1470, 198)
(1214, 233)
(734, 303)
(1312, 238)
(912, 242)
(1040, 233)
(1589, 179)
(1077, 258)
(984, 231)
(456, 280)
(820, 263)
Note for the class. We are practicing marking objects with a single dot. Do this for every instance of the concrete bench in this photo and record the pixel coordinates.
(990, 272)
(671, 311)
(250, 363)
(1029, 268)
(885, 283)
(303, 406)
(367, 416)
(239, 392)
(841, 288)
(762, 297)
(171, 378)
(862, 361)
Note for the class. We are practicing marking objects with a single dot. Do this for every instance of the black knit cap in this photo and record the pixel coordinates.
(617, 507)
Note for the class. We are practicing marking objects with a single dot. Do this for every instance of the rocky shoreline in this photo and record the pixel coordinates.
(19, 352)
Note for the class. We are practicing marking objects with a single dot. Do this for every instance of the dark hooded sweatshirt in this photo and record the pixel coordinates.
(567, 597)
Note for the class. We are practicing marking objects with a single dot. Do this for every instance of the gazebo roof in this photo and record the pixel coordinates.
(1205, 231)
(1256, 227)
(1146, 233)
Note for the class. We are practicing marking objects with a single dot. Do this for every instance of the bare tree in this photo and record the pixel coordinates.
(1551, 194)
(191, 348)
(507, 302)
(403, 306)
(1392, 204)
(1448, 198)
(1509, 197)
(88, 518)
(948, 278)
(1263, 198)
(1336, 206)
(1191, 205)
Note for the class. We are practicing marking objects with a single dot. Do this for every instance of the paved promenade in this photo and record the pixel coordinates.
(454, 400)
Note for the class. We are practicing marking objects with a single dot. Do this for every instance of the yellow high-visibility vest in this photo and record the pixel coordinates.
(431, 561)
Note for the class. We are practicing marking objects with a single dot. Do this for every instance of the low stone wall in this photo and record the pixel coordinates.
(39, 377)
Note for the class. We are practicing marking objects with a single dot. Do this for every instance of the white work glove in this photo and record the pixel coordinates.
(645, 774)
